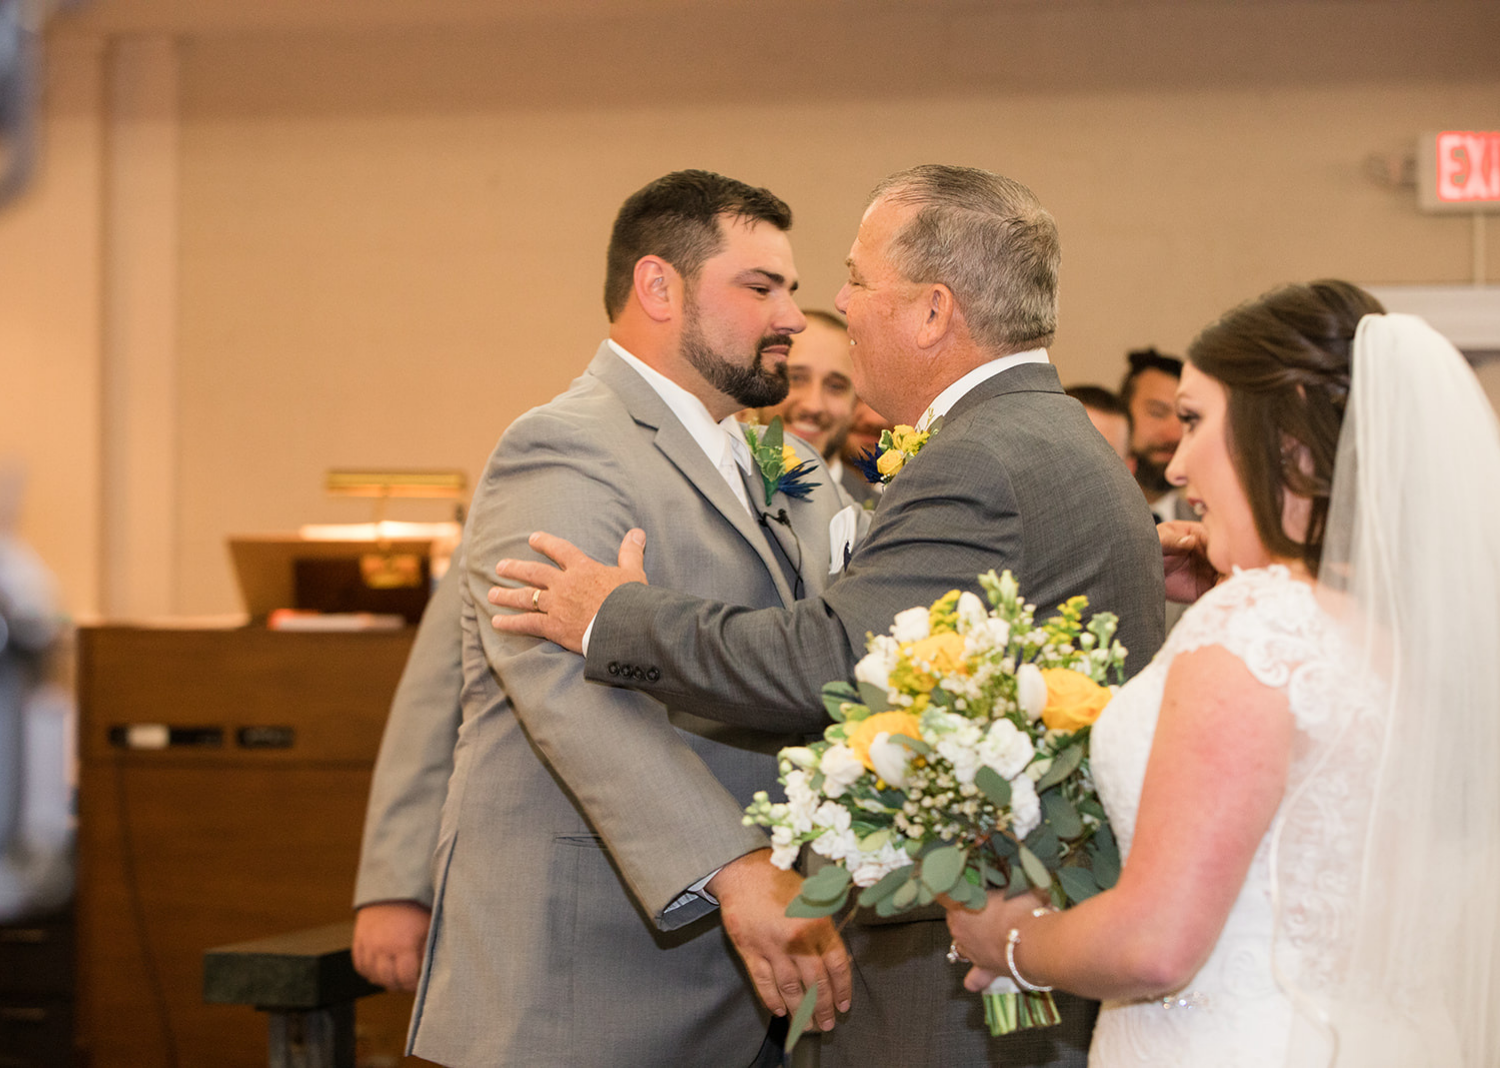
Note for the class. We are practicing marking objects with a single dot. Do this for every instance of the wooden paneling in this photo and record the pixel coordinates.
(186, 848)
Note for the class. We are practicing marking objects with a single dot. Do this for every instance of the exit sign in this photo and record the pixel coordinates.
(1459, 170)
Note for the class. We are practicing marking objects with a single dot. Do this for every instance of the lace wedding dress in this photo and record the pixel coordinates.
(1255, 1002)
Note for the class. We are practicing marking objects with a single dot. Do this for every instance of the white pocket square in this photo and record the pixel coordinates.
(843, 529)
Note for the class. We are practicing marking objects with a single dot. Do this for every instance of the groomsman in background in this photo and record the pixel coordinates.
(1149, 393)
(393, 889)
(820, 401)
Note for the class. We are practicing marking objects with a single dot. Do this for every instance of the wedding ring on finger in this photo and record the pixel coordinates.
(955, 956)
(536, 600)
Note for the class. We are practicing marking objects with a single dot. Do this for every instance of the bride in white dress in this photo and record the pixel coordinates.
(1304, 780)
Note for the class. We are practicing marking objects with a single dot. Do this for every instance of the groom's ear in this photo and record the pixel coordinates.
(657, 288)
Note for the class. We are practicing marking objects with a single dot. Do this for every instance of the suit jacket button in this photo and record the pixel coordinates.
(652, 675)
(614, 667)
(638, 672)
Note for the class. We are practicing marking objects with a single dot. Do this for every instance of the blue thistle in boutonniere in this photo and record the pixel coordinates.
(897, 446)
(781, 469)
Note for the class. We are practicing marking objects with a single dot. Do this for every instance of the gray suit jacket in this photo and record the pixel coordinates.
(578, 813)
(1016, 478)
(416, 758)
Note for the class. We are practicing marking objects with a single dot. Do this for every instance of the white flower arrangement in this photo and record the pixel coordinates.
(958, 764)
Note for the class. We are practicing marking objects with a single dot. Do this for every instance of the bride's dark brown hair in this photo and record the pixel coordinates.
(1284, 360)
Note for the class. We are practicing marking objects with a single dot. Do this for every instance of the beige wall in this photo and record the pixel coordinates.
(389, 244)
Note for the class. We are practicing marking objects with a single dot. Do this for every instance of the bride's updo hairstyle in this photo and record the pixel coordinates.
(1284, 360)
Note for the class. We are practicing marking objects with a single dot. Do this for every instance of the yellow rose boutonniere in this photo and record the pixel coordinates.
(889, 463)
(1073, 700)
(898, 446)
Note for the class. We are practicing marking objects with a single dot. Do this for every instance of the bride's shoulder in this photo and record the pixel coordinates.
(1264, 616)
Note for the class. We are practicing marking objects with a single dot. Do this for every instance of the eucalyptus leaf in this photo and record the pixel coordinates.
(924, 895)
(826, 884)
(885, 887)
(1004, 846)
(1045, 845)
(968, 894)
(942, 868)
(874, 697)
(1090, 806)
(801, 1018)
(1018, 884)
(905, 895)
(802, 909)
(1035, 870)
(886, 907)
(991, 874)
(773, 437)
(1063, 765)
(940, 697)
(993, 785)
(1077, 883)
(835, 695)
(1060, 814)
(916, 745)
(1104, 852)
(872, 842)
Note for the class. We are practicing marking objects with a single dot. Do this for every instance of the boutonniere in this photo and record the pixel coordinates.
(781, 469)
(897, 447)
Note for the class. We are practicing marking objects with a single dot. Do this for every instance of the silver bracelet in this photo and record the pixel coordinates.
(1012, 940)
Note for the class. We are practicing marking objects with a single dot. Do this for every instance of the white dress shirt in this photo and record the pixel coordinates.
(945, 400)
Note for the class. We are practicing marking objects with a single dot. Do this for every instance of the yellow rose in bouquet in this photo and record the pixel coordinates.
(1073, 699)
(865, 730)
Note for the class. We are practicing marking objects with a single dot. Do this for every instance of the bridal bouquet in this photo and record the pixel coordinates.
(959, 764)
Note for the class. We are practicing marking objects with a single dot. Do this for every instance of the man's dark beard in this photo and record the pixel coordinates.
(753, 386)
(1151, 476)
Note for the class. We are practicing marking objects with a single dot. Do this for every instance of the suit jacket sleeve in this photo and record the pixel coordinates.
(416, 759)
(662, 814)
(765, 668)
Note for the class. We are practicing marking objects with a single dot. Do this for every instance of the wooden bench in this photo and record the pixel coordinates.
(306, 985)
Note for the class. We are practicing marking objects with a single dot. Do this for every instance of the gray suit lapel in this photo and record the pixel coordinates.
(648, 409)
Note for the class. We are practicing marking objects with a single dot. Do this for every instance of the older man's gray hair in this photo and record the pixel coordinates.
(989, 240)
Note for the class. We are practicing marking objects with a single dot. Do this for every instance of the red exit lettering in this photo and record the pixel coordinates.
(1468, 165)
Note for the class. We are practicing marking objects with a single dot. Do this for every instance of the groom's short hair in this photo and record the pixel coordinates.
(676, 217)
(989, 240)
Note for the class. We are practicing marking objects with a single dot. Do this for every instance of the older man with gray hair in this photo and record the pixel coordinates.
(951, 299)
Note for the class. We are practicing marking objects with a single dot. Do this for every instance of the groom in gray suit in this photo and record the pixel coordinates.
(592, 837)
(951, 299)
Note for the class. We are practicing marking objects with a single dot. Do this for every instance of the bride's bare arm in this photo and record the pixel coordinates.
(1216, 775)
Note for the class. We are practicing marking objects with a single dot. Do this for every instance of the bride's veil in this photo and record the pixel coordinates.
(1386, 855)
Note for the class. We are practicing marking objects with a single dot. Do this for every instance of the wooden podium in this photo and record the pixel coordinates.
(222, 787)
